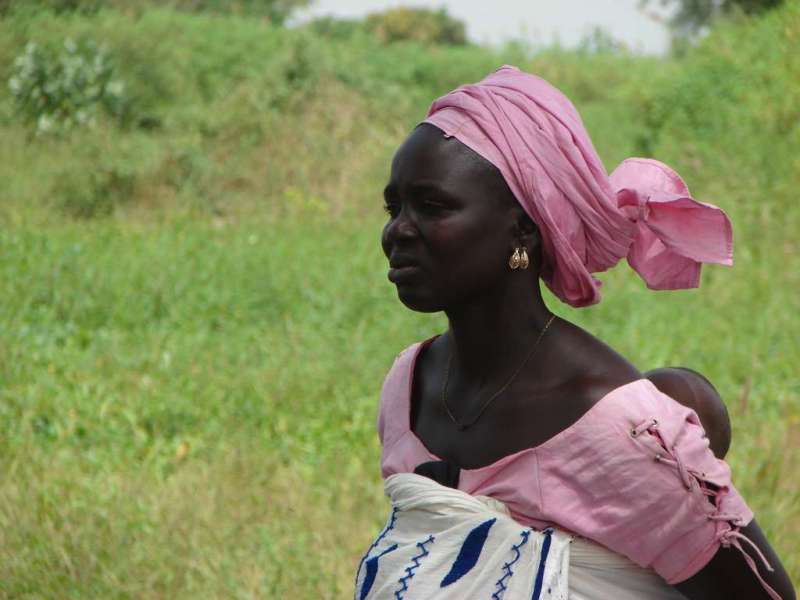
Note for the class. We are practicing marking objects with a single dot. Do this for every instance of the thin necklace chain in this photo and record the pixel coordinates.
(462, 426)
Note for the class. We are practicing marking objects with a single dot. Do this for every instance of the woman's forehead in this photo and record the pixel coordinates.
(428, 155)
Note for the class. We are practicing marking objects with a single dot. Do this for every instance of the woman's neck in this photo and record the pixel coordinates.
(494, 330)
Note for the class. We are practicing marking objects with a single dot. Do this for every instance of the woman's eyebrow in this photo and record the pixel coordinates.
(427, 187)
(418, 188)
(423, 186)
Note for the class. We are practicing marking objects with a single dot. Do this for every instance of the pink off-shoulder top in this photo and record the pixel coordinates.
(634, 473)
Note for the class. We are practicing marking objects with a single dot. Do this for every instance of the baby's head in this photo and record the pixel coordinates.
(693, 390)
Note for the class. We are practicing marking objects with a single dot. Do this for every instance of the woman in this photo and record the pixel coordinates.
(499, 187)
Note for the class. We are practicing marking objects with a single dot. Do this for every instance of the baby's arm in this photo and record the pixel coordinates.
(693, 390)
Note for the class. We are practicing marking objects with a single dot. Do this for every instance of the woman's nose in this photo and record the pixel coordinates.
(402, 226)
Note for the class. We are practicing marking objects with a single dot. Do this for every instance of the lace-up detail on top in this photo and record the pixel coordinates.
(693, 478)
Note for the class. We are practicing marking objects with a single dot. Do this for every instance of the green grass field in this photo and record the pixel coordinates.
(195, 320)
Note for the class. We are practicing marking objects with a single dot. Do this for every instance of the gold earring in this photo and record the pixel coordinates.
(515, 261)
(523, 259)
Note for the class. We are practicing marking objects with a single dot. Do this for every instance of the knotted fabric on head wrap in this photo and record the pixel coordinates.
(587, 220)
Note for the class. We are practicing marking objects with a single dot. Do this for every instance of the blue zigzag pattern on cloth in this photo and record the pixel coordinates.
(415, 562)
(386, 530)
(537, 588)
(507, 570)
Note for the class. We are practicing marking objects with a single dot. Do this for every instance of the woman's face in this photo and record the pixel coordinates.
(451, 228)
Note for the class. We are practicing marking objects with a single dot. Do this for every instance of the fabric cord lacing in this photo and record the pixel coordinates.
(728, 538)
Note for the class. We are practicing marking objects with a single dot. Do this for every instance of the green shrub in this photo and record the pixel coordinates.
(731, 103)
(276, 11)
(94, 192)
(417, 24)
(56, 6)
(335, 28)
(58, 90)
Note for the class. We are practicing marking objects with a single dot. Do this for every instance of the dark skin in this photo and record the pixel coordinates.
(453, 223)
(695, 391)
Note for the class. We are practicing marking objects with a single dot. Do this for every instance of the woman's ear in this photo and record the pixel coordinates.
(527, 234)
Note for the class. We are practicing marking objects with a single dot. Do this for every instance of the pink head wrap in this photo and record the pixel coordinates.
(587, 220)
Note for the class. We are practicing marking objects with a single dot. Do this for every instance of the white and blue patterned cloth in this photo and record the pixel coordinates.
(440, 543)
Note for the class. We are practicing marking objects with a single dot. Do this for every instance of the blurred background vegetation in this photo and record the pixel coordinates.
(195, 320)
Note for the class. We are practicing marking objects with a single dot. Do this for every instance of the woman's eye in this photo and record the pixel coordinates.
(421, 205)
(431, 206)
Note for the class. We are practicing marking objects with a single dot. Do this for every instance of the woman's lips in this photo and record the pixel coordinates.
(402, 274)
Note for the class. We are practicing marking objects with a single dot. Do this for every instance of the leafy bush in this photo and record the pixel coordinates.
(744, 74)
(417, 24)
(276, 11)
(94, 192)
(690, 17)
(335, 28)
(60, 90)
(57, 6)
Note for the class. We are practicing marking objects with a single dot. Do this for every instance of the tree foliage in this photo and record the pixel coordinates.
(691, 16)
(417, 24)
(276, 11)
(335, 27)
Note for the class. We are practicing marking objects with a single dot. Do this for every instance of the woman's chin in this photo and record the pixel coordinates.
(416, 300)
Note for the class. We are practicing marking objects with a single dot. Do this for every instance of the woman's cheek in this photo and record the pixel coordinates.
(386, 244)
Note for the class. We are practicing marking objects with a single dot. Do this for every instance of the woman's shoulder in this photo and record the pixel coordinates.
(395, 393)
(403, 364)
(590, 368)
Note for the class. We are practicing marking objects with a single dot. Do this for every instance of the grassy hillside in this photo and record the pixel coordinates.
(195, 319)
